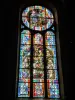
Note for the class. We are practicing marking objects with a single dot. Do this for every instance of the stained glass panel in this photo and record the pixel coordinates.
(37, 10)
(37, 50)
(24, 74)
(38, 90)
(27, 11)
(25, 21)
(51, 62)
(24, 62)
(53, 90)
(52, 74)
(40, 23)
(38, 62)
(25, 50)
(37, 18)
(50, 51)
(49, 23)
(38, 39)
(25, 39)
(23, 89)
(38, 73)
(53, 85)
(49, 39)
(37, 13)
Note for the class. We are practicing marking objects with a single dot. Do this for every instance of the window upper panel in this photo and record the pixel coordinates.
(37, 18)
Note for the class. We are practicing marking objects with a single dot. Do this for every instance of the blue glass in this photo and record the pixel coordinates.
(50, 40)
(50, 22)
(53, 28)
(25, 21)
(22, 26)
(25, 39)
(54, 85)
(57, 93)
(56, 74)
(24, 74)
(23, 89)
(25, 50)
(55, 60)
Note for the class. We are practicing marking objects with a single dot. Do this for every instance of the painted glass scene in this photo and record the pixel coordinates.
(37, 54)
(37, 18)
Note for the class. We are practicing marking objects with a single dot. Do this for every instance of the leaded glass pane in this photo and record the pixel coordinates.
(38, 90)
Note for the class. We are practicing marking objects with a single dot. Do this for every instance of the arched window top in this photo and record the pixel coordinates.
(37, 18)
(26, 32)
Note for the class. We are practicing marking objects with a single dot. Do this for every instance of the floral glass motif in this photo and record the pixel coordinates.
(37, 18)
(38, 90)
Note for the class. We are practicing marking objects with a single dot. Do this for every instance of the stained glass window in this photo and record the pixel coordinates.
(24, 66)
(52, 73)
(38, 66)
(38, 69)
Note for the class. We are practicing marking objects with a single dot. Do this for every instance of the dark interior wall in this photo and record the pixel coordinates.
(64, 34)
